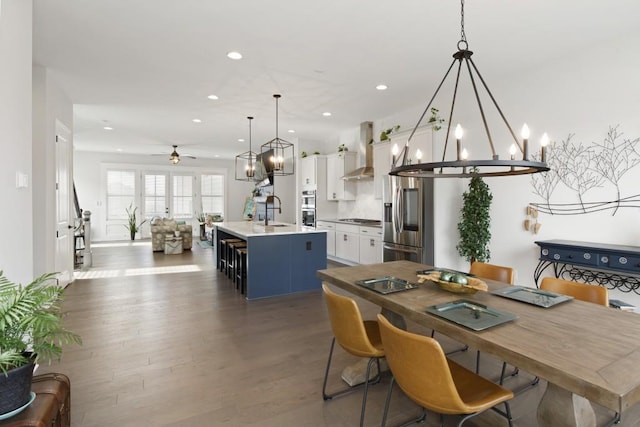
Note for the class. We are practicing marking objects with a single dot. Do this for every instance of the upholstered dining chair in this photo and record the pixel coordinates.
(582, 291)
(425, 374)
(356, 336)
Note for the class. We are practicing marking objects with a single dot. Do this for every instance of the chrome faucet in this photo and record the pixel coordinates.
(266, 207)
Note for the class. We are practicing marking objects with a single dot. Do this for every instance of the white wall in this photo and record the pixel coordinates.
(16, 251)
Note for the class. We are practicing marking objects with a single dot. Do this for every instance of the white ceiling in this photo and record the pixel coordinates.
(145, 67)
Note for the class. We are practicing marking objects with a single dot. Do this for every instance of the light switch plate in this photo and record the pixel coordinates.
(22, 180)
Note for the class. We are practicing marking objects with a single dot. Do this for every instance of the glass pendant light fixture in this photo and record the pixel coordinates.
(278, 152)
(463, 166)
(246, 162)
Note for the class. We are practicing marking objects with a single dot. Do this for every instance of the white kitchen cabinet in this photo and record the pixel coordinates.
(308, 173)
(337, 166)
(330, 227)
(381, 166)
(370, 239)
(348, 242)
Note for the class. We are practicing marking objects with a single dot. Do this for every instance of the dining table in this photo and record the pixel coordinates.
(586, 352)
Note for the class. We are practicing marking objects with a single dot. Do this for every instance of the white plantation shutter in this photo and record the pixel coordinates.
(155, 192)
(212, 194)
(121, 190)
(182, 189)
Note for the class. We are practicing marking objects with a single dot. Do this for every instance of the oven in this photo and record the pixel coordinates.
(308, 208)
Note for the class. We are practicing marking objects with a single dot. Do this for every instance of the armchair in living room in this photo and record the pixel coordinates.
(160, 227)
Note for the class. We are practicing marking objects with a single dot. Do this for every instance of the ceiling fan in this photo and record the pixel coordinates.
(174, 157)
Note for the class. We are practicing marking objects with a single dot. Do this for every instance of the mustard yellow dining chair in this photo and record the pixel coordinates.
(498, 273)
(425, 374)
(582, 291)
(356, 336)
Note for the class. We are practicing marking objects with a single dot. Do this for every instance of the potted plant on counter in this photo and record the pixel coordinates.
(132, 221)
(31, 331)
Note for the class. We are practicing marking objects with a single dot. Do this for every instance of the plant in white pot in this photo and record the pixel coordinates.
(31, 331)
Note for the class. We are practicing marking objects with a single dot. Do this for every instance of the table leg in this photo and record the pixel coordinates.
(561, 408)
(394, 318)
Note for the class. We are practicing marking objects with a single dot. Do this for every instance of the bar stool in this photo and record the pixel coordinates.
(241, 270)
(231, 255)
(224, 254)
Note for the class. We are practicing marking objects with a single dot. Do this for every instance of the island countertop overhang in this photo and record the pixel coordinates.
(245, 229)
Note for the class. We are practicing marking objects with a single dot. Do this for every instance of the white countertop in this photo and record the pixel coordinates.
(254, 229)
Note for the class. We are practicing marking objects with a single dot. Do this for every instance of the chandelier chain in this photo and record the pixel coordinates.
(463, 36)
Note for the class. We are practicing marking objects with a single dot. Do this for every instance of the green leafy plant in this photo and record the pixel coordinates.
(303, 154)
(342, 148)
(436, 119)
(384, 135)
(474, 226)
(315, 153)
(132, 221)
(201, 217)
(31, 322)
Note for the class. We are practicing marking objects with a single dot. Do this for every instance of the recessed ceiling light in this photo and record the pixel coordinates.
(291, 131)
(214, 97)
(382, 87)
(326, 114)
(240, 140)
(107, 128)
(119, 150)
(196, 121)
(216, 155)
(234, 55)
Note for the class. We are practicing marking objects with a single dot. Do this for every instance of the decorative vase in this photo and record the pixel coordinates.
(133, 235)
(15, 388)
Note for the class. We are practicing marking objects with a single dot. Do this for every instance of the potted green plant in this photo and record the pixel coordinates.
(31, 331)
(474, 226)
(132, 221)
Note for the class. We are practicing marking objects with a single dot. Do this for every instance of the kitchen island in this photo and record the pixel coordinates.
(281, 258)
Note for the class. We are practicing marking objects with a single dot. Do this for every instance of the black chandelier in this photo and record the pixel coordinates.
(462, 166)
(278, 152)
(246, 162)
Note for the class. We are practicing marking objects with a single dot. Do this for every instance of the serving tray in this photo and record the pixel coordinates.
(532, 296)
(386, 285)
(472, 315)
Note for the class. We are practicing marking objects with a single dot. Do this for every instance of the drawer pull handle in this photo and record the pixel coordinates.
(372, 243)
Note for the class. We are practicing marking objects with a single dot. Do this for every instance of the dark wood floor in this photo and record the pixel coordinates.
(168, 341)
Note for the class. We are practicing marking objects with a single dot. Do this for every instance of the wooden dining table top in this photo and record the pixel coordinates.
(588, 349)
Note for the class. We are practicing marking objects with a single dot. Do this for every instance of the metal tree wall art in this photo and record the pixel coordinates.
(584, 167)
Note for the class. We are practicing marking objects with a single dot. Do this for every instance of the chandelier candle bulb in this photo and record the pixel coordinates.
(458, 135)
(525, 142)
(544, 141)
(512, 151)
(419, 155)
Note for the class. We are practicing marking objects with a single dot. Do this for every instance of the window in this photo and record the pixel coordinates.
(212, 194)
(182, 191)
(155, 193)
(121, 190)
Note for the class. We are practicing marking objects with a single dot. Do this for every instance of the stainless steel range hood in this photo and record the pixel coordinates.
(366, 139)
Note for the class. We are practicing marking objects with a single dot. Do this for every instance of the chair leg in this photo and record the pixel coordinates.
(347, 390)
(387, 402)
(366, 389)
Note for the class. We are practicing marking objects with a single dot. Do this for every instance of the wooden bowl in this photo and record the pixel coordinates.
(473, 285)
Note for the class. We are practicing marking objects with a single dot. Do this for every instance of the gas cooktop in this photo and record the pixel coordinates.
(361, 221)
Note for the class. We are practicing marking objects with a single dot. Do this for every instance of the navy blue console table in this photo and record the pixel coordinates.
(613, 266)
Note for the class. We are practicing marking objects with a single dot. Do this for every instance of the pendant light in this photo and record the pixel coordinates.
(174, 157)
(246, 162)
(463, 166)
(278, 153)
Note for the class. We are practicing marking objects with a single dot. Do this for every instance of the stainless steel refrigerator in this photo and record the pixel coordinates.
(408, 225)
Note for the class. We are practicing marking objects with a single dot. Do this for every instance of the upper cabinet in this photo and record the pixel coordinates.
(422, 140)
(309, 172)
(337, 165)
